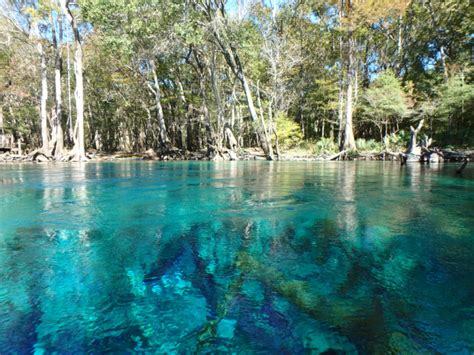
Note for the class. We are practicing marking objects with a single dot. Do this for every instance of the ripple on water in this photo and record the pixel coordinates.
(247, 257)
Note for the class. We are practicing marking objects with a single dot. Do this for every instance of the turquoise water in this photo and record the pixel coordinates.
(242, 257)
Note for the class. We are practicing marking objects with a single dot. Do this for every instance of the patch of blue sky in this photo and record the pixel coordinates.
(236, 7)
(42, 27)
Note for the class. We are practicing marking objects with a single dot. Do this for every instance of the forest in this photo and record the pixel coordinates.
(119, 242)
(216, 77)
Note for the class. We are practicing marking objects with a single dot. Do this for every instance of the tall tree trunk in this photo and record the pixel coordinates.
(340, 115)
(57, 125)
(43, 99)
(262, 121)
(217, 96)
(340, 108)
(70, 126)
(164, 139)
(261, 133)
(1, 120)
(210, 135)
(183, 128)
(412, 147)
(273, 129)
(349, 141)
(400, 45)
(237, 118)
(232, 59)
(211, 149)
(79, 146)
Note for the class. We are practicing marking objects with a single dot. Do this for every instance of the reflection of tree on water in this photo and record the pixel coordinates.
(20, 313)
(322, 276)
(357, 305)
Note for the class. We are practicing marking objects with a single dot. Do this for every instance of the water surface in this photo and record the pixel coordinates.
(243, 257)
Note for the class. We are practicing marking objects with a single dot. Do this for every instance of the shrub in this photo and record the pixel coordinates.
(289, 132)
(369, 145)
(398, 141)
(325, 146)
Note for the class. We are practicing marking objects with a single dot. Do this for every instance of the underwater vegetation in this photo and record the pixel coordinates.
(247, 257)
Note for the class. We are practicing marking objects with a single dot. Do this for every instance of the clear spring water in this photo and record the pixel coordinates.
(243, 257)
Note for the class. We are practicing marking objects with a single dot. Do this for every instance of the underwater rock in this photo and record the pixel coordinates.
(226, 328)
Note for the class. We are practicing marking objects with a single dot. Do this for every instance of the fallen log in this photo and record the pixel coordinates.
(336, 156)
(39, 156)
(451, 155)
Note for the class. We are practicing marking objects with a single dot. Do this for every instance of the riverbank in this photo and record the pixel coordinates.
(242, 154)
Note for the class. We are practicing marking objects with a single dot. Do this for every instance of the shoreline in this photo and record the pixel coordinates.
(248, 154)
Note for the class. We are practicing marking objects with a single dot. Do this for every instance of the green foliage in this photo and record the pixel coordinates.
(450, 111)
(399, 141)
(369, 145)
(326, 146)
(289, 132)
(456, 98)
(296, 54)
(384, 100)
(455, 111)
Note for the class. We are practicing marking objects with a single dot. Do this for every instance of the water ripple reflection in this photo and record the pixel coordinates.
(247, 257)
